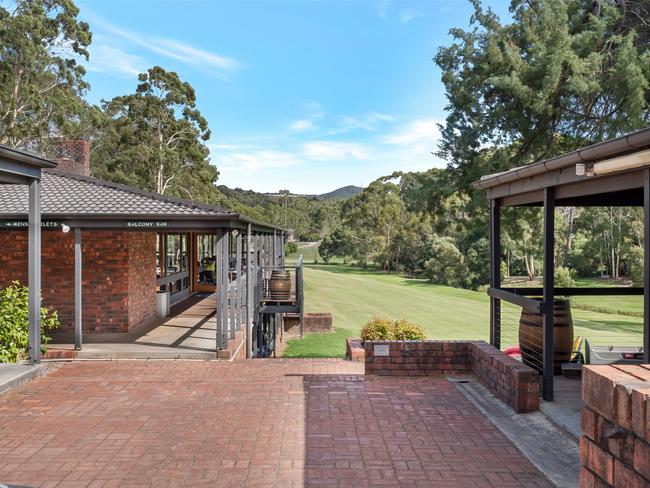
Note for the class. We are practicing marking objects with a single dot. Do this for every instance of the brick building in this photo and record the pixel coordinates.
(109, 250)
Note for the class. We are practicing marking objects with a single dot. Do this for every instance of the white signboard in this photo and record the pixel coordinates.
(382, 350)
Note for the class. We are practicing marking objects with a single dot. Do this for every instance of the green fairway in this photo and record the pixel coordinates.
(353, 296)
(308, 250)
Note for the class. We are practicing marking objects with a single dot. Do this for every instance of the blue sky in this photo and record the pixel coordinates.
(308, 96)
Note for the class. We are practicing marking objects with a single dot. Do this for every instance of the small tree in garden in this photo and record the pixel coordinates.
(385, 329)
(14, 325)
(564, 277)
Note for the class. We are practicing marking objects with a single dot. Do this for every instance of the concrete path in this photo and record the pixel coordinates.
(565, 410)
(13, 375)
(253, 423)
(193, 329)
(189, 333)
(553, 451)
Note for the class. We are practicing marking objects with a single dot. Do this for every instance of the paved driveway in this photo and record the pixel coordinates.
(257, 423)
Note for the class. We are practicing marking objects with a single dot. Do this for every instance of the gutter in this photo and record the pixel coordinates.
(26, 158)
(607, 149)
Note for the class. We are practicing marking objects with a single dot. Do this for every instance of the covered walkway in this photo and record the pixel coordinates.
(188, 333)
(265, 422)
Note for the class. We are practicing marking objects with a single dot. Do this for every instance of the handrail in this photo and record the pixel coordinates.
(586, 291)
(164, 280)
(528, 304)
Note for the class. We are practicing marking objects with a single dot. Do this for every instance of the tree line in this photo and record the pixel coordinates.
(558, 75)
(421, 225)
(555, 76)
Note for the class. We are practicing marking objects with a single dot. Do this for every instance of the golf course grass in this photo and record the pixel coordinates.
(354, 295)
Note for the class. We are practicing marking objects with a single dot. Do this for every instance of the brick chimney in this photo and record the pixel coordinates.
(73, 156)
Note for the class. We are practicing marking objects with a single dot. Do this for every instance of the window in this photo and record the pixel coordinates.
(176, 252)
(172, 259)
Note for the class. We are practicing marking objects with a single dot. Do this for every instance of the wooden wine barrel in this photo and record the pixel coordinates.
(280, 284)
(531, 336)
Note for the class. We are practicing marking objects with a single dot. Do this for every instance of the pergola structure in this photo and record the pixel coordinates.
(22, 168)
(612, 173)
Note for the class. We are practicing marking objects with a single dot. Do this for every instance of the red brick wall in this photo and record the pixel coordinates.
(508, 379)
(142, 278)
(615, 445)
(105, 281)
(313, 322)
(513, 382)
(418, 358)
(354, 350)
(113, 299)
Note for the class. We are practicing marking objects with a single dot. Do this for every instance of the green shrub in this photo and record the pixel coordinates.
(635, 265)
(290, 248)
(385, 329)
(564, 277)
(377, 329)
(407, 331)
(14, 329)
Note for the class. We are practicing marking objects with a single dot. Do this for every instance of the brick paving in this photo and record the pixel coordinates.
(269, 422)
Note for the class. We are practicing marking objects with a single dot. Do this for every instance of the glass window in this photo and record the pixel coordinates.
(159, 263)
(206, 259)
(176, 252)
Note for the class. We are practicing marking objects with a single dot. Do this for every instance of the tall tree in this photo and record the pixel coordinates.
(41, 83)
(562, 74)
(155, 139)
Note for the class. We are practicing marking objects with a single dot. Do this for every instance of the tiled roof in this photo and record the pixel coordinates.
(67, 194)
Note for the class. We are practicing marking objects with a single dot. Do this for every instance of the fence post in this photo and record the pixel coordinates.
(495, 271)
(549, 292)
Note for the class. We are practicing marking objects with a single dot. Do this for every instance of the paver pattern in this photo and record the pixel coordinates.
(254, 423)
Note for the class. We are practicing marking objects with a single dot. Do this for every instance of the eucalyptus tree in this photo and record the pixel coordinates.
(155, 139)
(41, 81)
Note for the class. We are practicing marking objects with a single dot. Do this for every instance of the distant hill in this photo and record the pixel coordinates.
(340, 193)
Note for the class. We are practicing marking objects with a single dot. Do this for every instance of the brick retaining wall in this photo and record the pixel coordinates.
(508, 379)
(615, 446)
(511, 381)
(318, 322)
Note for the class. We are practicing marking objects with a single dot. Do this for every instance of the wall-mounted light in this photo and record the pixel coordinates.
(629, 161)
(580, 169)
(65, 228)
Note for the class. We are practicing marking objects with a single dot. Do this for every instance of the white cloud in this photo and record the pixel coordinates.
(418, 131)
(334, 151)
(108, 59)
(302, 125)
(256, 160)
(407, 15)
(185, 52)
(368, 121)
(218, 65)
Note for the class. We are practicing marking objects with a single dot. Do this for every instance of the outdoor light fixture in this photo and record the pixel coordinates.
(630, 161)
(65, 228)
(580, 169)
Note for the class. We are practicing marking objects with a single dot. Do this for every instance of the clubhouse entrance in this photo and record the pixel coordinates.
(186, 263)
